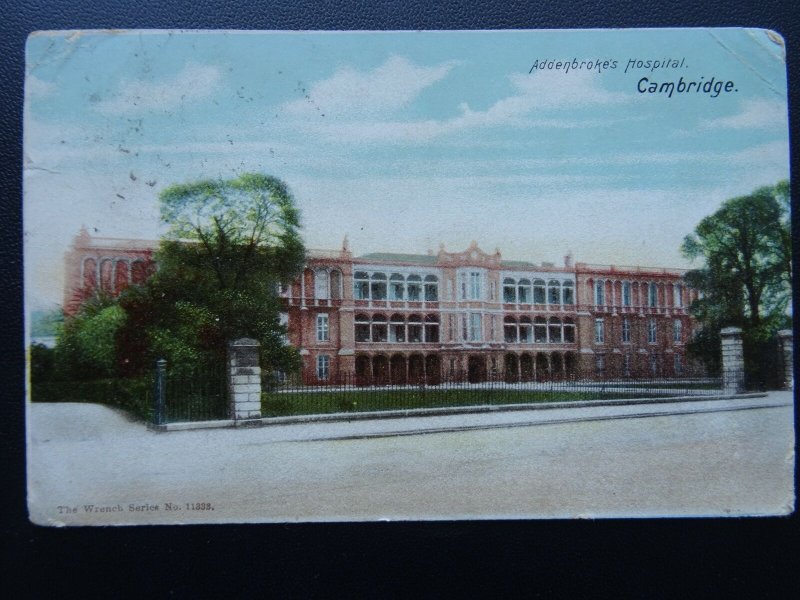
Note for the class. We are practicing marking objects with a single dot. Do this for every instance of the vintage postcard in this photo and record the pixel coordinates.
(358, 276)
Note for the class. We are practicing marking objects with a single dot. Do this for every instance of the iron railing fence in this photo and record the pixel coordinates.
(189, 394)
(351, 393)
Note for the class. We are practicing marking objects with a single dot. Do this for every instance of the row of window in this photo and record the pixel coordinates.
(652, 331)
(540, 331)
(377, 286)
(397, 329)
(522, 291)
(627, 293)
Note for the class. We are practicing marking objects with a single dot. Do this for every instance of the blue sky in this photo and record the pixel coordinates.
(402, 140)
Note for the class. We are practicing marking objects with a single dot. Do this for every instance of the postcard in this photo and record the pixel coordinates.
(291, 276)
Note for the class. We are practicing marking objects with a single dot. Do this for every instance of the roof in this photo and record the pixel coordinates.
(417, 259)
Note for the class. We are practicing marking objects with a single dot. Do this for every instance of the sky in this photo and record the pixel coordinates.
(404, 140)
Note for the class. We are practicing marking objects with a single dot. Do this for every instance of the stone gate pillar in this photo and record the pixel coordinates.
(732, 360)
(244, 379)
(787, 339)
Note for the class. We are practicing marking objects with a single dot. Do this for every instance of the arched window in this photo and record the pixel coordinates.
(361, 285)
(553, 292)
(626, 293)
(378, 286)
(510, 330)
(379, 329)
(540, 330)
(89, 273)
(322, 289)
(525, 330)
(554, 330)
(431, 288)
(652, 295)
(568, 292)
(599, 292)
(677, 331)
(397, 328)
(107, 275)
(677, 293)
(569, 331)
(415, 329)
(524, 291)
(138, 272)
(538, 291)
(397, 286)
(414, 288)
(362, 328)
(431, 328)
(509, 291)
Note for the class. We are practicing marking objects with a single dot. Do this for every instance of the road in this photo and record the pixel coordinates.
(710, 457)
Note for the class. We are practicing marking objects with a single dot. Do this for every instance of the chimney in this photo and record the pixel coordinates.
(568, 259)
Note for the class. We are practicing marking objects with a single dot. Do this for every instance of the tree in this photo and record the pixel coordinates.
(230, 244)
(746, 276)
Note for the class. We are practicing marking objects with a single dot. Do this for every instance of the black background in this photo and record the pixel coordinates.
(642, 558)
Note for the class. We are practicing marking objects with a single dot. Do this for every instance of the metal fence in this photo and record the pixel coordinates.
(181, 394)
(347, 393)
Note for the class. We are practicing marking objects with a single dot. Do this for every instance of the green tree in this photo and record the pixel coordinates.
(746, 276)
(230, 244)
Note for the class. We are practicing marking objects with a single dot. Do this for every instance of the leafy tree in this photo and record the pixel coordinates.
(230, 244)
(86, 346)
(746, 276)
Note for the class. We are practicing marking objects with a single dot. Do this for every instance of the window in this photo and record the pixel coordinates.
(652, 295)
(474, 327)
(626, 365)
(431, 328)
(321, 284)
(626, 293)
(524, 291)
(379, 329)
(378, 287)
(323, 366)
(397, 286)
(554, 330)
(361, 286)
(510, 330)
(538, 291)
(569, 331)
(678, 364)
(677, 293)
(539, 330)
(322, 328)
(431, 288)
(652, 329)
(599, 293)
(509, 291)
(677, 331)
(397, 328)
(415, 329)
(283, 321)
(626, 331)
(525, 330)
(414, 288)
(599, 331)
(654, 364)
(568, 292)
(475, 286)
(553, 292)
(362, 328)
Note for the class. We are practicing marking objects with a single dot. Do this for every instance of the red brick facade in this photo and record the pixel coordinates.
(467, 315)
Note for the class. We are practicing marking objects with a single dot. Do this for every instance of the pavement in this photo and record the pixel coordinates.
(91, 465)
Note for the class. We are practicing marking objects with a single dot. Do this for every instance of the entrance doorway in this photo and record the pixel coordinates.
(476, 369)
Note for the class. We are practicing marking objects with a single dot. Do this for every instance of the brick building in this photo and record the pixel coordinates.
(458, 315)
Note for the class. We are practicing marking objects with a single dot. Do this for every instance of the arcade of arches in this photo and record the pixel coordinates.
(432, 368)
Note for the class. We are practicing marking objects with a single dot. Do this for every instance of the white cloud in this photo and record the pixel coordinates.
(348, 92)
(542, 91)
(194, 82)
(755, 114)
